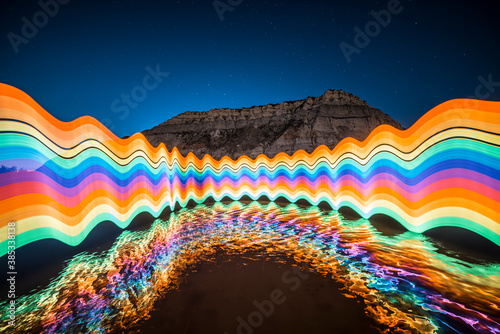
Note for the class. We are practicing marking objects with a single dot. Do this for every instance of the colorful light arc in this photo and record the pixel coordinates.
(404, 283)
(69, 177)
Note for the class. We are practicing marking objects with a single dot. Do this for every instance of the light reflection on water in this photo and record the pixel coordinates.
(405, 283)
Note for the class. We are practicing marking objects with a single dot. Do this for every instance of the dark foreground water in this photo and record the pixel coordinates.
(262, 268)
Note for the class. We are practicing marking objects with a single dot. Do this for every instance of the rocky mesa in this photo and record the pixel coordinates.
(270, 129)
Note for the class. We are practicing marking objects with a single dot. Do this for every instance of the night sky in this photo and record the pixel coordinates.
(87, 55)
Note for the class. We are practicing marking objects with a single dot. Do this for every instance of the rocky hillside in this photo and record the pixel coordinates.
(270, 129)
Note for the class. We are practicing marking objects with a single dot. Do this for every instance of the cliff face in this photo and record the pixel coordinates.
(270, 129)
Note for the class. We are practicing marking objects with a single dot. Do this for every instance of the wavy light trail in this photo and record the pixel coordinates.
(403, 282)
(69, 177)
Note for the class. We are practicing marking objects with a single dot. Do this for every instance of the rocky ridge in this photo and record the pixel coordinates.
(270, 129)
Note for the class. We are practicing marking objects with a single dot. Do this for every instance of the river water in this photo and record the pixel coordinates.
(256, 268)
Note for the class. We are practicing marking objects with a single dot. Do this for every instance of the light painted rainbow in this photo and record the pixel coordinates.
(69, 177)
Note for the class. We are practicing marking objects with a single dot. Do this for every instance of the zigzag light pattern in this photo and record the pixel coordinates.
(69, 177)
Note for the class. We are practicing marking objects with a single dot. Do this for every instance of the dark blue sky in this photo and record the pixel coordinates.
(90, 54)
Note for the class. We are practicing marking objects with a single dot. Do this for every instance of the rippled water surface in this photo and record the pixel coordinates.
(403, 281)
